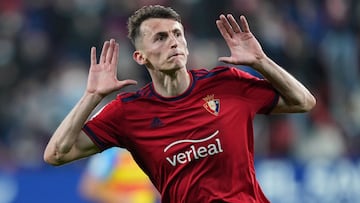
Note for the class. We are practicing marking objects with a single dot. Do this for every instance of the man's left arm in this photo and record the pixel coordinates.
(294, 96)
(246, 50)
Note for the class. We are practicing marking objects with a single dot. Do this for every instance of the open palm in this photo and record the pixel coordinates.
(244, 48)
(102, 78)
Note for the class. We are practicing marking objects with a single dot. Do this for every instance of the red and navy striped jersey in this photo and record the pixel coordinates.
(195, 147)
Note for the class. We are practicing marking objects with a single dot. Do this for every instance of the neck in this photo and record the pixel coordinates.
(170, 84)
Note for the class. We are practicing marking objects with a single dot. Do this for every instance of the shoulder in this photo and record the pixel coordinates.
(204, 73)
(133, 96)
(224, 71)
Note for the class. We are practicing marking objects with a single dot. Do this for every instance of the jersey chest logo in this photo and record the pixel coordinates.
(212, 105)
(199, 149)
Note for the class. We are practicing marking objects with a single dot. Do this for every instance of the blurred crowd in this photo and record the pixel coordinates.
(45, 54)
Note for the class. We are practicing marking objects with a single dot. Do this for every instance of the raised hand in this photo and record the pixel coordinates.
(244, 48)
(102, 78)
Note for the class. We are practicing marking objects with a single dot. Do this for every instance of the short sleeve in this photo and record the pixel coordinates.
(105, 128)
(260, 94)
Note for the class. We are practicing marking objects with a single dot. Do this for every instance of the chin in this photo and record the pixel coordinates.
(172, 69)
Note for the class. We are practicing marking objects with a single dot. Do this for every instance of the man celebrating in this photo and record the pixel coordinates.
(191, 132)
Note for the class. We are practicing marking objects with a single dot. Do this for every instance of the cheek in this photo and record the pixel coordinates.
(154, 56)
(153, 49)
(185, 46)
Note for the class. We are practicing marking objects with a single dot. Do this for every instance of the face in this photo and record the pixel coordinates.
(162, 45)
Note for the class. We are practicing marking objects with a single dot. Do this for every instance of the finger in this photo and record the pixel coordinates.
(110, 51)
(226, 25)
(225, 59)
(129, 82)
(124, 83)
(93, 56)
(244, 24)
(115, 56)
(222, 29)
(235, 26)
(104, 51)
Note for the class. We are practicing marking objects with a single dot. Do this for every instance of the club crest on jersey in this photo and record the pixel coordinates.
(212, 105)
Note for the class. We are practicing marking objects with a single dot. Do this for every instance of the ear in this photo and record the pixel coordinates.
(139, 57)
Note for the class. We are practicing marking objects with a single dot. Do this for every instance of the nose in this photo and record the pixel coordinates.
(173, 41)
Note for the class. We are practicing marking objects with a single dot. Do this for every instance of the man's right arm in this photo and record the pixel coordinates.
(69, 142)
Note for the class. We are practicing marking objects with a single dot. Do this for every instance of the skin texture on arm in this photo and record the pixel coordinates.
(69, 142)
(246, 50)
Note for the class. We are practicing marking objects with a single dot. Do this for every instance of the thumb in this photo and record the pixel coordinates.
(124, 83)
(225, 59)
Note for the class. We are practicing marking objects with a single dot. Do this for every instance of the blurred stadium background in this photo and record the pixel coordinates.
(301, 158)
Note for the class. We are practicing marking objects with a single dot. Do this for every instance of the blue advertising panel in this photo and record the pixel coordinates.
(282, 180)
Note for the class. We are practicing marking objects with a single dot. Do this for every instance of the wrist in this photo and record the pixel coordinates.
(93, 97)
(260, 63)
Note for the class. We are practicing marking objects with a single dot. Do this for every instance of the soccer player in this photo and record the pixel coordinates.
(191, 131)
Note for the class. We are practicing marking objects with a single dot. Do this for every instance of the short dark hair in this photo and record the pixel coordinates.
(147, 12)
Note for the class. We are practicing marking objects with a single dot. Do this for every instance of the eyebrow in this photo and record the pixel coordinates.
(160, 34)
(164, 33)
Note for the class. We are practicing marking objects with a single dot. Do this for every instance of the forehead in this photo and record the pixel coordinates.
(154, 25)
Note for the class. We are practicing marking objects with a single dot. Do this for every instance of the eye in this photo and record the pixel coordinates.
(177, 34)
(160, 37)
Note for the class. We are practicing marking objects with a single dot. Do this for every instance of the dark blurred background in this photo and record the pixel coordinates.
(300, 158)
